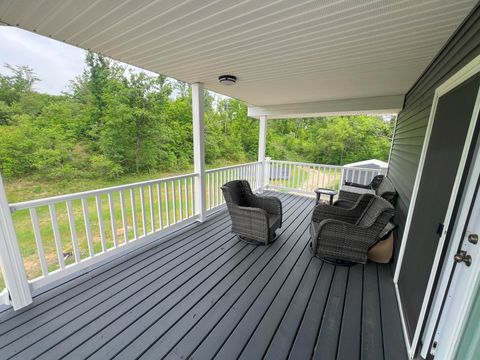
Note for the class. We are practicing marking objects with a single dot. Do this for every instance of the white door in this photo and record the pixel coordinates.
(464, 259)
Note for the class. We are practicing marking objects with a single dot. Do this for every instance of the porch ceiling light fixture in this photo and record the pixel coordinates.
(227, 79)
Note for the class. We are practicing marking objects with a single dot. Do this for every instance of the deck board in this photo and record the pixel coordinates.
(202, 294)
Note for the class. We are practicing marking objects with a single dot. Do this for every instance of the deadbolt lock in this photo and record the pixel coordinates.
(473, 238)
(462, 256)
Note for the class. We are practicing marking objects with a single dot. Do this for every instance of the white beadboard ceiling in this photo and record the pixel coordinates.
(282, 52)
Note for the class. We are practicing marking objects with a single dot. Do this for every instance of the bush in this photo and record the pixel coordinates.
(103, 167)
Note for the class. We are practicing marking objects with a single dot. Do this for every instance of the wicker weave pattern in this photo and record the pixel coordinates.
(348, 196)
(253, 217)
(347, 240)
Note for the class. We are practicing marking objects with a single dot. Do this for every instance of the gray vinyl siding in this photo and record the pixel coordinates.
(412, 121)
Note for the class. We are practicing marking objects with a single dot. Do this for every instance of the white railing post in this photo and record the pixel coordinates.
(199, 151)
(266, 175)
(11, 261)
(262, 140)
(342, 179)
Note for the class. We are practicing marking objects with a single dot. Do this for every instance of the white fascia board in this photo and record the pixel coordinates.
(380, 105)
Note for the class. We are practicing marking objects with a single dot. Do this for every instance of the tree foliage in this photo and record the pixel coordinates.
(118, 121)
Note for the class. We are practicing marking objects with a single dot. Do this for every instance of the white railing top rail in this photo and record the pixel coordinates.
(74, 196)
(231, 167)
(305, 163)
(326, 165)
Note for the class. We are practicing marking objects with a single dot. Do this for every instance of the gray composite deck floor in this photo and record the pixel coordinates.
(203, 294)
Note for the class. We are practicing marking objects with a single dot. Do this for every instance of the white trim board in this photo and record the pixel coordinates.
(462, 75)
(386, 105)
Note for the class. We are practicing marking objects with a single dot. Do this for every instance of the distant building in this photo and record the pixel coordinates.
(364, 177)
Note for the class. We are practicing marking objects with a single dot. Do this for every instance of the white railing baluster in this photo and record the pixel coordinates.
(209, 192)
(88, 229)
(134, 213)
(73, 231)
(124, 216)
(152, 208)
(174, 202)
(113, 223)
(160, 212)
(187, 209)
(215, 189)
(101, 224)
(56, 236)
(180, 199)
(167, 205)
(38, 240)
(144, 212)
(192, 191)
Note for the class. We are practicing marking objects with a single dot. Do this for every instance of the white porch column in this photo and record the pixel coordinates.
(262, 140)
(11, 261)
(199, 151)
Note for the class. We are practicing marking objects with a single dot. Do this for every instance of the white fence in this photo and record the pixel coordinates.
(306, 177)
(71, 229)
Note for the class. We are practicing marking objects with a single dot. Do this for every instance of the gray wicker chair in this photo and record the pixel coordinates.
(254, 218)
(385, 189)
(348, 234)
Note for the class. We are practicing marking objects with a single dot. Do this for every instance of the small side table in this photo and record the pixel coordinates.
(321, 191)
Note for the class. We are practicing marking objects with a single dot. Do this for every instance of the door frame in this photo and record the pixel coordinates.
(469, 70)
(460, 294)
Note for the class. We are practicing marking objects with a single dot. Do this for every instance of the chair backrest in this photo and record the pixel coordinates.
(236, 192)
(386, 190)
(376, 181)
(378, 207)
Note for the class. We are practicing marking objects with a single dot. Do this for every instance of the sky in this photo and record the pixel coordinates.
(54, 62)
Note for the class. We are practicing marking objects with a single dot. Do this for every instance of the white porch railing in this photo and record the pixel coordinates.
(74, 229)
(217, 177)
(306, 177)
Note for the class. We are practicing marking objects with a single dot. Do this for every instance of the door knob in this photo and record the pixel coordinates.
(462, 256)
(473, 238)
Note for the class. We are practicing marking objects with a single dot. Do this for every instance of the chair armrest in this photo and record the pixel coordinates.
(343, 240)
(324, 211)
(270, 204)
(250, 222)
(349, 183)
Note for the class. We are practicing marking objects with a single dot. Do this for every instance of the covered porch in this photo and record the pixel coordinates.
(154, 271)
(201, 293)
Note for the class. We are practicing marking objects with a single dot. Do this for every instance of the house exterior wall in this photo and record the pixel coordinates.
(412, 121)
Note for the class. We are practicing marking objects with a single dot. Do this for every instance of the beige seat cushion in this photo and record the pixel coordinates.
(382, 251)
